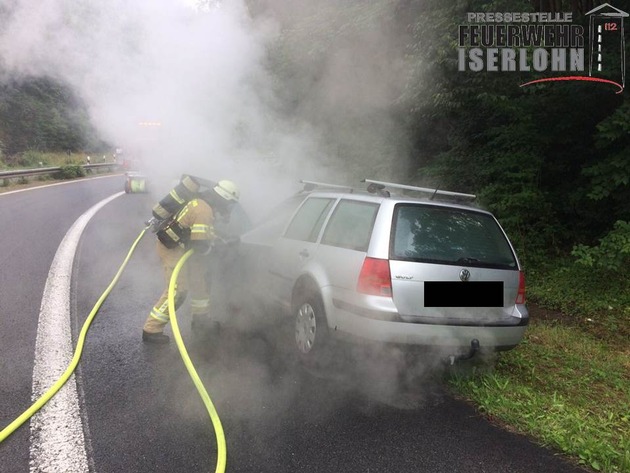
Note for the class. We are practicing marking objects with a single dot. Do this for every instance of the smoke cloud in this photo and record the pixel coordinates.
(187, 88)
(169, 84)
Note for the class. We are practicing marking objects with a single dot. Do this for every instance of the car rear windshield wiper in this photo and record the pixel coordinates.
(468, 260)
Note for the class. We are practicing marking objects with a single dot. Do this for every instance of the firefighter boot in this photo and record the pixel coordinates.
(157, 338)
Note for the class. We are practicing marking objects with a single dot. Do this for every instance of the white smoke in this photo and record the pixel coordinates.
(184, 89)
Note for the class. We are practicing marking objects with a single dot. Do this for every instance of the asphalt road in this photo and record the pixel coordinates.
(139, 409)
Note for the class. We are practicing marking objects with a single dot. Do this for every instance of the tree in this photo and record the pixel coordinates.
(40, 114)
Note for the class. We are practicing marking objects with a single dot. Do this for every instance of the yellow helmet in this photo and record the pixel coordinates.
(228, 190)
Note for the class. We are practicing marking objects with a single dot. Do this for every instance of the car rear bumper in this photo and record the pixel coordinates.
(491, 337)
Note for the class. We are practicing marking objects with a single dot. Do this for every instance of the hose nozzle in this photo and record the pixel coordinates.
(154, 224)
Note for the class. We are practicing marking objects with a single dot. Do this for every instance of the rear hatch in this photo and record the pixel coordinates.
(453, 266)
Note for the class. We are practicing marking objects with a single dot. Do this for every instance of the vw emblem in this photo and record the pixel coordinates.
(464, 275)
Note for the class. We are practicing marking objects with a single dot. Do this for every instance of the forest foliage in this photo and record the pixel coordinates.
(39, 114)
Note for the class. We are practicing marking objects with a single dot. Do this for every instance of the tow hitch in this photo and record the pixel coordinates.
(474, 348)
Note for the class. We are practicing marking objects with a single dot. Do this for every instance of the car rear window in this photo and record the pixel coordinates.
(449, 236)
(350, 225)
(309, 219)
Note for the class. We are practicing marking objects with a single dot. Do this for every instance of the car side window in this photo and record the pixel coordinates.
(308, 221)
(273, 224)
(350, 225)
(282, 211)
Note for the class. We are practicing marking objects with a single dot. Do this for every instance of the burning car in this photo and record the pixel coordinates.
(390, 264)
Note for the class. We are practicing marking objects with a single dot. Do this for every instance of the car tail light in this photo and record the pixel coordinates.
(520, 295)
(375, 278)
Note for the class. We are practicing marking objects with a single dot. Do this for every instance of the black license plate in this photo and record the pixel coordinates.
(463, 294)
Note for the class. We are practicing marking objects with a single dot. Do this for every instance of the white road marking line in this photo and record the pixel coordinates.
(57, 442)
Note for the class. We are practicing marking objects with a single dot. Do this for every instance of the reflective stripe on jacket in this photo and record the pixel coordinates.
(197, 215)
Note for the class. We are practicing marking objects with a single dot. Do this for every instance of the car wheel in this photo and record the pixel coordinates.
(311, 328)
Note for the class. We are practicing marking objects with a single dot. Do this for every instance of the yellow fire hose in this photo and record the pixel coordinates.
(37, 405)
(216, 422)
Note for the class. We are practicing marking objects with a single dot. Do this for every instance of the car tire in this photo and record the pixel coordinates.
(311, 335)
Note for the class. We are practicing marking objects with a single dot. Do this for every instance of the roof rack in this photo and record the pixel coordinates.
(379, 187)
(310, 185)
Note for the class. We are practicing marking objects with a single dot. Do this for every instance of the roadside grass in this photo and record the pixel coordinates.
(567, 385)
(71, 167)
(34, 159)
(566, 389)
(593, 299)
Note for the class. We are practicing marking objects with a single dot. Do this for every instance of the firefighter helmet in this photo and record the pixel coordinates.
(227, 190)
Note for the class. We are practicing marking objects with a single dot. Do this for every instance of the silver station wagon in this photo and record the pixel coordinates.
(388, 263)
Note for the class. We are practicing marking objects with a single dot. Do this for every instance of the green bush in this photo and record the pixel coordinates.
(70, 172)
(612, 252)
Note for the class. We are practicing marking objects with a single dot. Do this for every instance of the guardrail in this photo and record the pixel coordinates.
(7, 176)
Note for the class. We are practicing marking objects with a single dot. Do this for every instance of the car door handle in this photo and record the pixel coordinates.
(304, 253)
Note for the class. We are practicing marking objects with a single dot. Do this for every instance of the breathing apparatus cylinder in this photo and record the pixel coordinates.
(173, 234)
(175, 200)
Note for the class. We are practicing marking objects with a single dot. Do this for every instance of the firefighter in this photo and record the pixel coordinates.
(191, 227)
